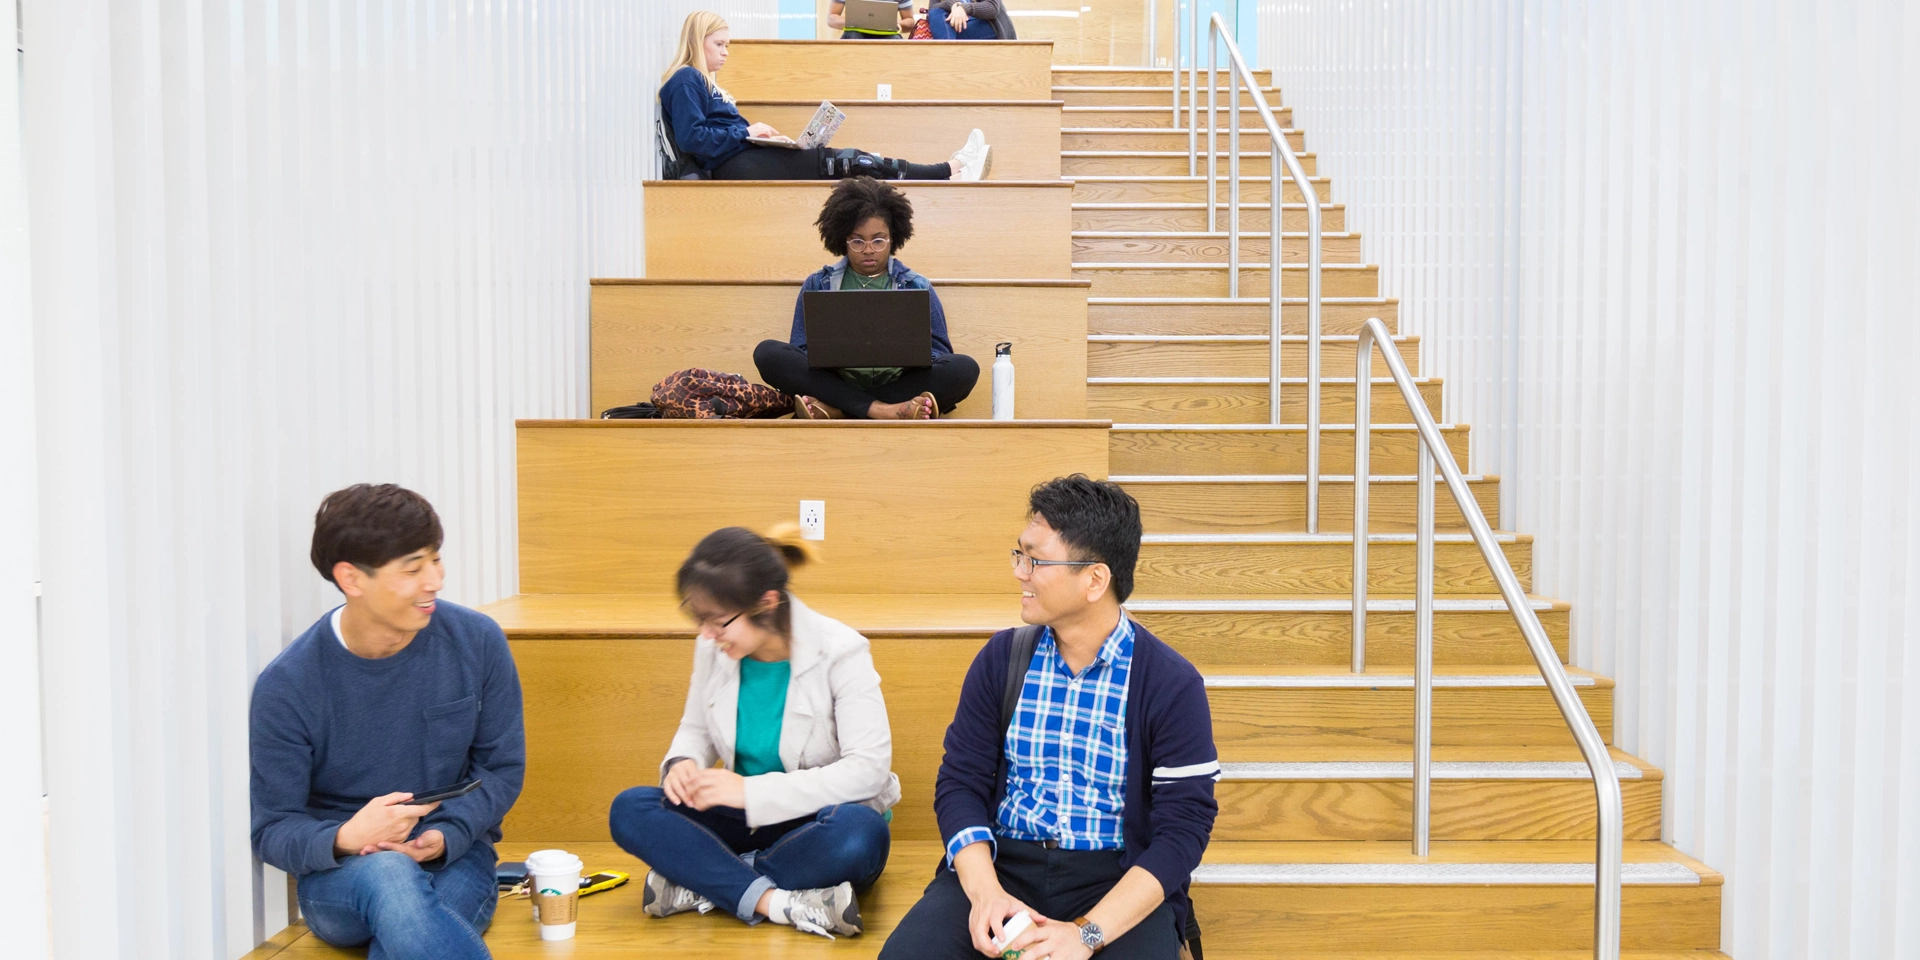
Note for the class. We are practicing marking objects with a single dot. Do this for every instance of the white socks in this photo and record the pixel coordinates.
(780, 906)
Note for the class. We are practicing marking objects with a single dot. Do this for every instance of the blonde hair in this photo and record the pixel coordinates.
(786, 541)
(691, 52)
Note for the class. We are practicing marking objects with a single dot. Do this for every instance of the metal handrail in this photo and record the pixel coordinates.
(1609, 833)
(1238, 73)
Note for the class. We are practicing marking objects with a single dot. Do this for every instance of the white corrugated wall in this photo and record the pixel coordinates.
(276, 248)
(1666, 256)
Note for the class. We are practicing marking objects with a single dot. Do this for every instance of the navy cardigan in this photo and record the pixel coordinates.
(705, 126)
(1171, 761)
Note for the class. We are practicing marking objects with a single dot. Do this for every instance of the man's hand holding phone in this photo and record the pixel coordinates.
(385, 819)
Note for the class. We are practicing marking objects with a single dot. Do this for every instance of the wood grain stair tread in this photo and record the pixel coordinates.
(1326, 603)
(1343, 853)
(1393, 678)
(1288, 478)
(1499, 536)
(1444, 753)
(1201, 234)
(1252, 380)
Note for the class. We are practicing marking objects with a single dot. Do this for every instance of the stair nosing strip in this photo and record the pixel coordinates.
(1343, 605)
(1275, 478)
(1256, 427)
(1235, 381)
(1380, 681)
(1438, 874)
(1403, 770)
(1499, 536)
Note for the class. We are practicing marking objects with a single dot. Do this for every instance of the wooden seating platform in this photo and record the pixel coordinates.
(1246, 893)
(834, 70)
(764, 229)
(1025, 134)
(643, 330)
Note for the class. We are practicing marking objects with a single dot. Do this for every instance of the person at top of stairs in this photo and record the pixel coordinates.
(393, 694)
(704, 125)
(837, 19)
(792, 823)
(970, 20)
(1087, 804)
(865, 221)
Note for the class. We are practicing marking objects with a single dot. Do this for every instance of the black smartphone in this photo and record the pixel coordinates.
(447, 792)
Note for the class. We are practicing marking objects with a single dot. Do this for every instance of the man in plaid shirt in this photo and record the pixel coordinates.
(1091, 808)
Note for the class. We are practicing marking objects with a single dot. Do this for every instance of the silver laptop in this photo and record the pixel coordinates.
(878, 16)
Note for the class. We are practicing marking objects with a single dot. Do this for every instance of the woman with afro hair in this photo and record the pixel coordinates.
(865, 221)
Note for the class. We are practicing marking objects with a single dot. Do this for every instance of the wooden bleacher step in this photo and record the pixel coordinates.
(1228, 564)
(1350, 280)
(1180, 188)
(1194, 316)
(1235, 634)
(1479, 793)
(1199, 246)
(1214, 449)
(1079, 162)
(1262, 717)
(819, 70)
(1097, 108)
(1160, 100)
(1230, 355)
(1276, 503)
(1148, 139)
(1244, 399)
(1177, 216)
(1145, 77)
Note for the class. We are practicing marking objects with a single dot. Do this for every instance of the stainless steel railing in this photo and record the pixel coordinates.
(1431, 450)
(1282, 155)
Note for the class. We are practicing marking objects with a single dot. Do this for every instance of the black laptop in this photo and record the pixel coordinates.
(868, 328)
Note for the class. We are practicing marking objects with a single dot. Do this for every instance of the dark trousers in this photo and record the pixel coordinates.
(824, 163)
(783, 366)
(1059, 884)
(701, 849)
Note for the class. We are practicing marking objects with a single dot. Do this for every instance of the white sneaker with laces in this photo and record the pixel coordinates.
(826, 911)
(664, 898)
(974, 160)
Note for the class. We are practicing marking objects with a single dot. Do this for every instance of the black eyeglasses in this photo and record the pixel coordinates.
(702, 622)
(1023, 564)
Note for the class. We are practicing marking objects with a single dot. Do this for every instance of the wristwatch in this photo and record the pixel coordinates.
(1090, 934)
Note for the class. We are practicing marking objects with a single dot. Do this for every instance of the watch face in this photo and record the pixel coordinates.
(1091, 936)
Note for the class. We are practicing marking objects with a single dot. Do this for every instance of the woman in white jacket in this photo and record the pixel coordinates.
(791, 823)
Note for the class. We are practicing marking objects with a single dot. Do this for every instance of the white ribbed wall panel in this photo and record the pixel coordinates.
(1666, 257)
(276, 248)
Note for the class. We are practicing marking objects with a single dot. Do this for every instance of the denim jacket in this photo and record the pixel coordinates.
(828, 278)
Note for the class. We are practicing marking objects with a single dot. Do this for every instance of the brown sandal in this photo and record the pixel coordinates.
(807, 408)
(933, 406)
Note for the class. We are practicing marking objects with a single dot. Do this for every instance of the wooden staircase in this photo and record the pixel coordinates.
(1311, 857)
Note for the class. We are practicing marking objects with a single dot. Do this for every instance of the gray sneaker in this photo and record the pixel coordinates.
(664, 898)
(826, 911)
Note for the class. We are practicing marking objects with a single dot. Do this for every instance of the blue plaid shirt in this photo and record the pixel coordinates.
(1066, 751)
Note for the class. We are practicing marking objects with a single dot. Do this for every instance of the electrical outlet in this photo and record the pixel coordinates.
(813, 519)
(883, 91)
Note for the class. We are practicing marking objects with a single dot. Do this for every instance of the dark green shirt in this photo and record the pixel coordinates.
(866, 378)
(763, 707)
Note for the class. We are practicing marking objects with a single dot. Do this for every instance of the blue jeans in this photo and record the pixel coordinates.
(701, 849)
(977, 29)
(407, 911)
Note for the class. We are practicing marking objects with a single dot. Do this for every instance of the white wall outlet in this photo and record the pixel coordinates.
(883, 91)
(813, 519)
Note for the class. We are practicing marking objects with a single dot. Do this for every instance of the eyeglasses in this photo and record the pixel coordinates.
(703, 622)
(1023, 564)
(877, 243)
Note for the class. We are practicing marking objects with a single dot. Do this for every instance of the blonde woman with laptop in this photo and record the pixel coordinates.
(703, 125)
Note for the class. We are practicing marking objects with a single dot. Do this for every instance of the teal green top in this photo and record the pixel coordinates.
(763, 705)
(867, 378)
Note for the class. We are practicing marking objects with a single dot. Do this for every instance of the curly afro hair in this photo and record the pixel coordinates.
(853, 202)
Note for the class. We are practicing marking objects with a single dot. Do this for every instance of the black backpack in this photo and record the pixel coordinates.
(674, 164)
(1019, 661)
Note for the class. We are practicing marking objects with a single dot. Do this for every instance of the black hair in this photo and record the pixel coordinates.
(371, 525)
(1097, 520)
(734, 567)
(856, 200)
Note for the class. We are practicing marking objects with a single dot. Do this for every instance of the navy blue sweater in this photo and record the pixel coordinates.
(1171, 761)
(331, 730)
(828, 278)
(705, 126)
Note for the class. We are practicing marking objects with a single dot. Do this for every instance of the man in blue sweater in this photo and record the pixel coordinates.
(1090, 808)
(392, 694)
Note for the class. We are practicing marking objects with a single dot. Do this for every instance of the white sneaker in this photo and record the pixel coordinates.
(664, 898)
(826, 911)
(974, 160)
